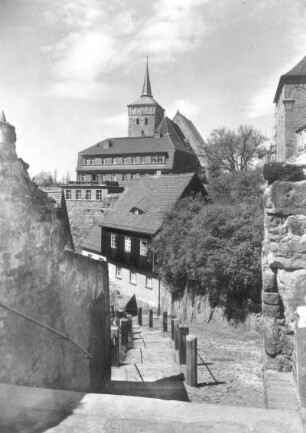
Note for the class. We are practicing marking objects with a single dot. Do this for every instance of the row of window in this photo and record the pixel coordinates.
(133, 277)
(114, 177)
(128, 244)
(154, 159)
(88, 194)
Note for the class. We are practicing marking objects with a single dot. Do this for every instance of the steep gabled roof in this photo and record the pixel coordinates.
(295, 75)
(154, 196)
(170, 139)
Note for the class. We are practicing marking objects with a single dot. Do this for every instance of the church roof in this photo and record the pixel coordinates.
(155, 196)
(146, 88)
(144, 100)
(295, 75)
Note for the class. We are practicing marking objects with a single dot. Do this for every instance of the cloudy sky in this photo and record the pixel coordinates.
(69, 68)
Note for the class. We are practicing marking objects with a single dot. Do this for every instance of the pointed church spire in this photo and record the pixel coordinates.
(2, 117)
(146, 89)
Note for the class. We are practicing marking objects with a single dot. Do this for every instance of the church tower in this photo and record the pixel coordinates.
(145, 114)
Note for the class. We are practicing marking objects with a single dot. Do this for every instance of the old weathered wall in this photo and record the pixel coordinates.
(284, 269)
(39, 277)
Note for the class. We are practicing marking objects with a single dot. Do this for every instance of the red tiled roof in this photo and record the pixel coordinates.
(155, 197)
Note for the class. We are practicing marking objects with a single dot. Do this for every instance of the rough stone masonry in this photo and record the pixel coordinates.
(284, 262)
(43, 278)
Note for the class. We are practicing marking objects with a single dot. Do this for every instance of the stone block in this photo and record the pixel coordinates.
(273, 171)
(272, 343)
(271, 310)
(270, 298)
(285, 198)
(292, 288)
(269, 280)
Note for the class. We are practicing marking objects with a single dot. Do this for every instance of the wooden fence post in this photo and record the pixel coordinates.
(124, 332)
(183, 332)
(191, 360)
(173, 316)
(151, 319)
(115, 346)
(130, 328)
(176, 324)
(165, 321)
(140, 316)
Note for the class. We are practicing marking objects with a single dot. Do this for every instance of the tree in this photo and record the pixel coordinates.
(214, 248)
(228, 150)
(44, 178)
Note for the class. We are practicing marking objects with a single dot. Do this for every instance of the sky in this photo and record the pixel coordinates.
(68, 69)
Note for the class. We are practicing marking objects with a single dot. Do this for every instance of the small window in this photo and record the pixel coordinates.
(114, 161)
(143, 247)
(94, 178)
(124, 160)
(160, 159)
(149, 281)
(119, 272)
(133, 277)
(104, 177)
(127, 244)
(137, 121)
(113, 241)
(154, 159)
(134, 159)
(83, 177)
(103, 161)
(88, 194)
(78, 194)
(113, 177)
(124, 176)
(146, 121)
(142, 160)
(68, 194)
(99, 194)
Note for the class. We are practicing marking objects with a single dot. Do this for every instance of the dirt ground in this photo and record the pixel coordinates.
(235, 360)
(233, 357)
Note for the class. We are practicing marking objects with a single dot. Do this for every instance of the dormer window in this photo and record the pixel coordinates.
(146, 121)
(137, 211)
(137, 121)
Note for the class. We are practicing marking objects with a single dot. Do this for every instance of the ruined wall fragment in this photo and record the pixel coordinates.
(283, 266)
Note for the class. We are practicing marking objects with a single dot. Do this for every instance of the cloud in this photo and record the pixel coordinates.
(96, 38)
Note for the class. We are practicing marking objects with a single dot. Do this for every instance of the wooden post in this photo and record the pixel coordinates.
(176, 324)
(151, 319)
(130, 328)
(115, 346)
(165, 321)
(124, 332)
(140, 316)
(191, 360)
(183, 332)
(173, 316)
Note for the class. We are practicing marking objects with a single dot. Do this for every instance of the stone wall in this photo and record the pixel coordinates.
(284, 266)
(40, 277)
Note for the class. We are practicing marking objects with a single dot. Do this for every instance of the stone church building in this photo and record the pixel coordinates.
(155, 145)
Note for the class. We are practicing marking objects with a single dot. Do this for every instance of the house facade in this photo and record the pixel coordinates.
(155, 145)
(128, 230)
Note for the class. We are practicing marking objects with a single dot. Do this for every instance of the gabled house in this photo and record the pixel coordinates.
(128, 229)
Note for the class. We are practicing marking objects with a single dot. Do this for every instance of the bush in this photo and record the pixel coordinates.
(215, 248)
